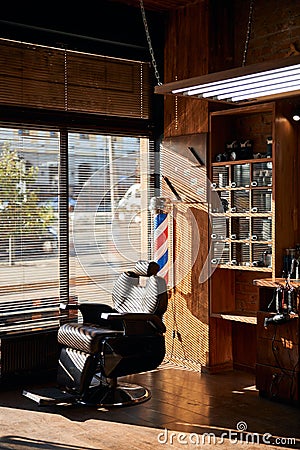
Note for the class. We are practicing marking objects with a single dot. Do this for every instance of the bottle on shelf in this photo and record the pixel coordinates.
(297, 271)
(267, 258)
(293, 263)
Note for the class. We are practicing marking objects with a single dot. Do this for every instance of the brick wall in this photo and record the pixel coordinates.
(275, 26)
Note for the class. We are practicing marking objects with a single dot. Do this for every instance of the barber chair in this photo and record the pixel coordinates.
(111, 343)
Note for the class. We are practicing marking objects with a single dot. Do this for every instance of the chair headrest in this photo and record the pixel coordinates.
(130, 296)
(146, 268)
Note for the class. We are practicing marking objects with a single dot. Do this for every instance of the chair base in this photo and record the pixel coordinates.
(122, 394)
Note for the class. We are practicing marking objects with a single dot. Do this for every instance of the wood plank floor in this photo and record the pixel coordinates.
(184, 406)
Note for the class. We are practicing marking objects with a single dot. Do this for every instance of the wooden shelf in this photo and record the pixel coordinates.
(242, 241)
(233, 288)
(273, 282)
(249, 214)
(242, 188)
(252, 268)
(237, 316)
(241, 161)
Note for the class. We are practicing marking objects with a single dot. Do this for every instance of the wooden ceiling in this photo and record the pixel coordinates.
(158, 5)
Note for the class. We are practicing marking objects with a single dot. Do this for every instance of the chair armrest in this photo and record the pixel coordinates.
(130, 319)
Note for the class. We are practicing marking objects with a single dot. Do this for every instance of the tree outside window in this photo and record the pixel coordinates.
(23, 222)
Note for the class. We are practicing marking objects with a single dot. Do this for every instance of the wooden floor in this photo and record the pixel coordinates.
(184, 406)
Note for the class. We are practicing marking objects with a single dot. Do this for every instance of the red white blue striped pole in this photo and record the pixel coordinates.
(159, 207)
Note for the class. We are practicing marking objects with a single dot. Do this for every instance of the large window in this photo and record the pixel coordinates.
(108, 216)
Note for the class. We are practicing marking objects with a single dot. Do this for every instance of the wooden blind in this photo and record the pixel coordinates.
(44, 77)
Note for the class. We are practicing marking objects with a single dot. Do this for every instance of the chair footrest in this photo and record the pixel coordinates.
(49, 396)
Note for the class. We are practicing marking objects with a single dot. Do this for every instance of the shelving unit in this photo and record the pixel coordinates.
(241, 214)
(254, 214)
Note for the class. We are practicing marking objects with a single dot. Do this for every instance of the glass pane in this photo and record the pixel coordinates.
(262, 255)
(220, 252)
(220, 177)
(29, 222)
(219, 201)
(261, 200)
(262, 174)
(220, 227)
(240, 175)
(240, 254)
(240, 201)
(240, 228)
(261, 229)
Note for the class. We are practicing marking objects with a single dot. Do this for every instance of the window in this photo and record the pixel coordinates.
(110, 223)
(28, 218)
(108, 216)
(66, 179)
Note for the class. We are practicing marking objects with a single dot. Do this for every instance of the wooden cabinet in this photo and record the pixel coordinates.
(254, 215)
(241, 214)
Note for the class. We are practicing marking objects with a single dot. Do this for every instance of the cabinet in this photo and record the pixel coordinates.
(253, 217)
(277, 363)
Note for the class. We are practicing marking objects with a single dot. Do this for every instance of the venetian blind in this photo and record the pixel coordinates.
(29, 229)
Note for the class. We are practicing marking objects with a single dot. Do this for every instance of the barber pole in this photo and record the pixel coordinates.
(161, 243)
(159, 208)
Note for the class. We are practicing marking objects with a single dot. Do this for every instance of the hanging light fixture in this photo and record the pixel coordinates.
(263, 81)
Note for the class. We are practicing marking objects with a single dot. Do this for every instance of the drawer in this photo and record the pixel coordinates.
(277, 384)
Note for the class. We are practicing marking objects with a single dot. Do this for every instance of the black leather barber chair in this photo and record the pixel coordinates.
(113, 342)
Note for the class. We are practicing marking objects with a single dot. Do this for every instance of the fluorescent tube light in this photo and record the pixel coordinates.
(268, 79)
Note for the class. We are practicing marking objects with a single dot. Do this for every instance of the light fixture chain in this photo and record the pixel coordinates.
(66, 79)
(149, 43)
(248, 34)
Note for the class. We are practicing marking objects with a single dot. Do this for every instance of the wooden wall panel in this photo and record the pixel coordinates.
(244, 346)
(186, 55)
(221, 35)
(187, 316)
(184, 116)
(220, 345)
(186, 42)
(188, 309)
(195, 44)
(246, 294)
